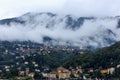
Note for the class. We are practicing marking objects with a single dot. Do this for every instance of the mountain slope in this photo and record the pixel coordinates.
(49, 28)
(104, 58)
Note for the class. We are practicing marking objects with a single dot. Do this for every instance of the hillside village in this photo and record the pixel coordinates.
(22, 61)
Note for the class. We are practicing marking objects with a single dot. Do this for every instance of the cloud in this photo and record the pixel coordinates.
(93, 7)
(36, 29)
(10, 8)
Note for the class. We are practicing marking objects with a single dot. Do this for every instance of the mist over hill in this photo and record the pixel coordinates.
(54, 29)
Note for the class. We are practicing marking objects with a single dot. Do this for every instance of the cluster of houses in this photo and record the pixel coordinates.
(22, 48)
(19, 51)
(63, 73)
(60, 72)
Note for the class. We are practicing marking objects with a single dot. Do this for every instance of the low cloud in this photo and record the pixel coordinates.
(36, 30)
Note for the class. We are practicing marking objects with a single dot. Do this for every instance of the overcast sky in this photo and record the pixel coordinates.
(11, 8)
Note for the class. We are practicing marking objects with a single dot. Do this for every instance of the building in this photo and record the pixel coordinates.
(31, 74)
(118, 66)
(104, 71)
(63, 73)
(51, 75)
(111, 70)
(108, 71)
(91, 70)
(79, 69)
(21, 73)
(76, 75)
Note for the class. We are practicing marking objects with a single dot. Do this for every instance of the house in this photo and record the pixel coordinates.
(63, 73)
(31, 74)
(0, 71)
(26, 62)
(6, 51)
(36, 65)
(76, 75)
(23, 57)
(108, 71)
(118, 66)
(111, 70)
(79, 69)
(44, 74)
(91, 70)
(22, 73)
(33, 62)
(7, 69)
(71, 68)
(17, 63)
(37, 70)
(104, 71)
(51, 75)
